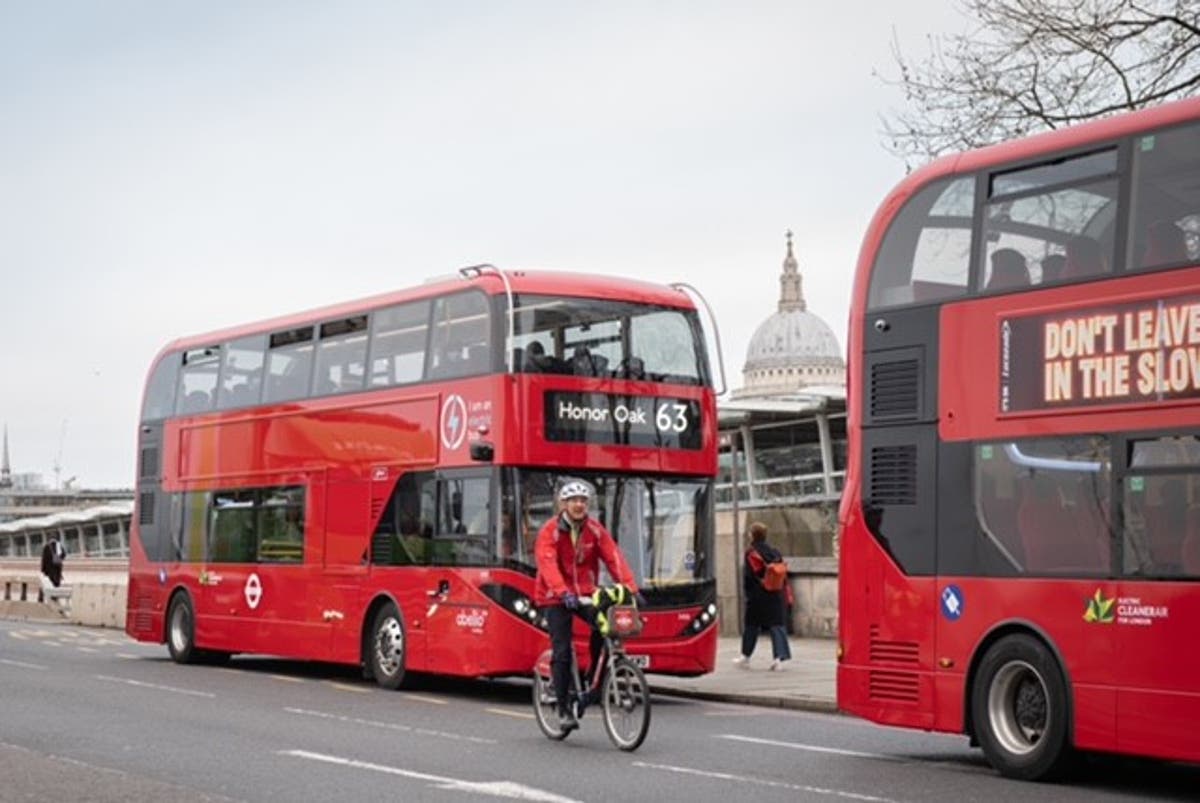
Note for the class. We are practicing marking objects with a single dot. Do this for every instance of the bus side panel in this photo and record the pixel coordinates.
(886, 632)
(1158, 668)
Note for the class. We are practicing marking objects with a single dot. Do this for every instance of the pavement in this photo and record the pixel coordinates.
(807, 682)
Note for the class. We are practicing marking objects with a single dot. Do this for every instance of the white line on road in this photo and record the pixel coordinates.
(509, 789)
(508, 712)
(726, 776)
(22, 664)
(423, 699)
(347, 687)
(812, 748)
(388, 725)
(144, 685)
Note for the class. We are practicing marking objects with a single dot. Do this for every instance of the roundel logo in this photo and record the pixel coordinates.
(454, 421)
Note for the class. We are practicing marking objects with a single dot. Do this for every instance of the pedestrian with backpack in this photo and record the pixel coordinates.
(764, 581)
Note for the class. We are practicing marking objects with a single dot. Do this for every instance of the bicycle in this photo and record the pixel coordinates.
(620, 686)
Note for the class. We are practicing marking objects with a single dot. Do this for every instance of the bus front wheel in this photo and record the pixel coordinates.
(387, 647)
(1019, 708)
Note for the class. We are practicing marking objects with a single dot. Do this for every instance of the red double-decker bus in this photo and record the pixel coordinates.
(1020, 530)
(362, 484)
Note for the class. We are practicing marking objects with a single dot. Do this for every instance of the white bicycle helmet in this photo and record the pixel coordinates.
(573, 488)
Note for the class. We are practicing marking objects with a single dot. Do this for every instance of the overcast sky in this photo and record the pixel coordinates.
(168, 168)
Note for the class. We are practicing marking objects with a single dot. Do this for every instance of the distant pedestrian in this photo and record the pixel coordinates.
(764, 606)
(53, 555)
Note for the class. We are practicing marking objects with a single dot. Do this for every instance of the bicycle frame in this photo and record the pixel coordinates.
(622, 689)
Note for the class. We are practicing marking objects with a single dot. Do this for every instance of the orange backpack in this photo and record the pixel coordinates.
(775, 576)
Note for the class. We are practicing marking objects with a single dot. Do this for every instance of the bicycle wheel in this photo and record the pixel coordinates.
(545, 707)
(626, 705)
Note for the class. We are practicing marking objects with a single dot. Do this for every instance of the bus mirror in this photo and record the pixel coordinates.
(482, 451)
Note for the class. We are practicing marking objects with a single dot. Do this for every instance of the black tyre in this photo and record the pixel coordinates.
(1019, 708)
(545, 707)
(386, 651)
(181, 630)
(626, 699)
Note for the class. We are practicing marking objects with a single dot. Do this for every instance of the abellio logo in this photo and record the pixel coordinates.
(1100, 609)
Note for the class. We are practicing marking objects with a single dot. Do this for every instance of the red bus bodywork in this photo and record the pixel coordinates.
(907, 659)
(347, 452)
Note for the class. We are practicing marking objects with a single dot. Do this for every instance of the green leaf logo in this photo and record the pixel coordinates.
(1099, 609)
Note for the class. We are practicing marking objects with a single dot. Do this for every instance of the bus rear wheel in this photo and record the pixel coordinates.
(181, 631)
(1019, 708)
(387, 647)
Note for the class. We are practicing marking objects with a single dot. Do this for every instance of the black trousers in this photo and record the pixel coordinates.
(558, 620)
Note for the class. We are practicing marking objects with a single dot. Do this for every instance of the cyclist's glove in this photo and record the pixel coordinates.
(570, 601)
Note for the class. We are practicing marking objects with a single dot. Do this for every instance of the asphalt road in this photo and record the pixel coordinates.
(87, 715)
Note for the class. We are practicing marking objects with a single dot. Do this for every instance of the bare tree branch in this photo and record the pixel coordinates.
(1031, 65)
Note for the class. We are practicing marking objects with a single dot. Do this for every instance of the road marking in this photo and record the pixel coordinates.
(726, 776)
(144, 685)
(22, 664)
(508, 712)
(812, 748)
(423, 699)
(288, 678)
(129, 657)
(389, 726)
(19, 635)
(87, 649)
(347, 687)
(509, 789)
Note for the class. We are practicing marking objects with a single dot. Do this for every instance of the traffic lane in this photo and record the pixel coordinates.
(757, 736)
(29, 775)
(340, 738)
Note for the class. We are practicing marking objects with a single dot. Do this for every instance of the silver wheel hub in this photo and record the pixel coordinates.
(389, 646)
(1018, 707)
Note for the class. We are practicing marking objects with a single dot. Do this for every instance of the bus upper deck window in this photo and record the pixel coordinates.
(926, 252)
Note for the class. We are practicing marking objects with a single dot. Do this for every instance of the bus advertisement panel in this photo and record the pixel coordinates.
(1020, 532)
(362, 484)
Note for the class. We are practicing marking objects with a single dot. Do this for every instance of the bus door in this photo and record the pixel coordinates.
(1152, 614)
(458, 616)
(289, 586)
(229, 584)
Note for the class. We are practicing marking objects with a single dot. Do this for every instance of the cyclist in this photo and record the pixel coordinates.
(568, 551)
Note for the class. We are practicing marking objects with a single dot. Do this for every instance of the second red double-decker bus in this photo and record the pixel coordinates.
(1020, 531)
(363, 483)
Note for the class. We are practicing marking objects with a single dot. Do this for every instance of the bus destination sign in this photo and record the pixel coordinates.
(656, 421)
(1133, 353)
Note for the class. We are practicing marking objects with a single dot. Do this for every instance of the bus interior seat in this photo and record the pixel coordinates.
(1165, 244)
(1009, 270)
(197, 401)
(584, 363)
(476, 360)
(1190, 551)
(1053, 535)
(1084, 258)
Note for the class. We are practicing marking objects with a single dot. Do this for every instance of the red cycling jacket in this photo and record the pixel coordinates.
(564, 566)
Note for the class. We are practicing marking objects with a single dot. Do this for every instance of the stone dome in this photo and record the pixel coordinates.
(790, 338)
(793, 348)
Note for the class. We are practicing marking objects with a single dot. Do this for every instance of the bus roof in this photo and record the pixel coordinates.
(539, 282)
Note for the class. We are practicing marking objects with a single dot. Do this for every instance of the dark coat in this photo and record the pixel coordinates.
(52, 561)
(763, 608)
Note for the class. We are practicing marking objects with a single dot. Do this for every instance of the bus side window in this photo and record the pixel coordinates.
(198, 380)
(241, 372)
(926, 252)
(1165, 224)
